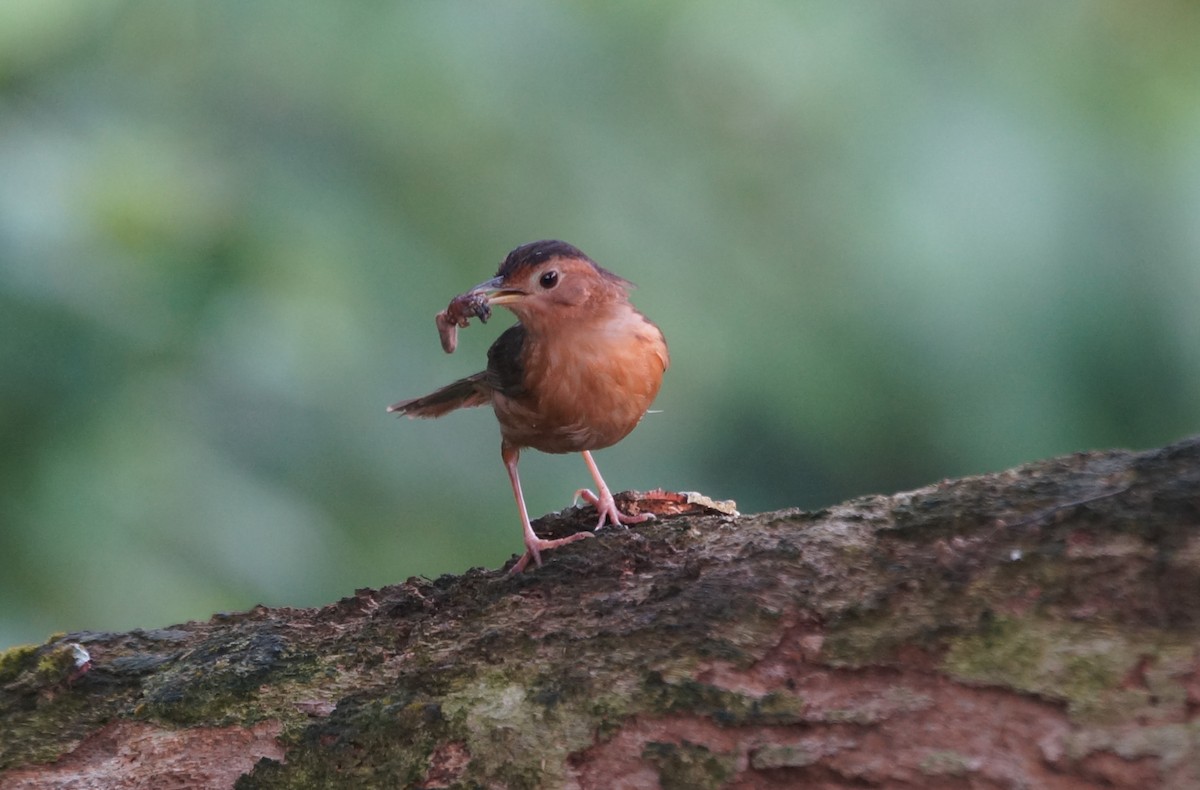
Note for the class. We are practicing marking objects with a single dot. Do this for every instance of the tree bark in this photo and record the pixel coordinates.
(1036, 628)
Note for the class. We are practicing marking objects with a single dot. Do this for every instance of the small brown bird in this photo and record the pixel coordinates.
(575, 374)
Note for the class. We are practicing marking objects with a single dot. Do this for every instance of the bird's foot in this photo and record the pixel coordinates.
(534, 549)
(606, 506)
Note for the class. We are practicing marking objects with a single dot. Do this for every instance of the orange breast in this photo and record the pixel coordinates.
(586, 387)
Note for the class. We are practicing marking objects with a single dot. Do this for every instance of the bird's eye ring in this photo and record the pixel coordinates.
(548, 280)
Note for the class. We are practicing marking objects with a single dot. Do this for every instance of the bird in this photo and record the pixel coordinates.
(576, 373)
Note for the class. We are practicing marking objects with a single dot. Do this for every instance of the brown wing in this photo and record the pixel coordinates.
(506, 367)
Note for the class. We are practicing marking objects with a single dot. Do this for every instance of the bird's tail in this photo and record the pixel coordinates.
(471, 391)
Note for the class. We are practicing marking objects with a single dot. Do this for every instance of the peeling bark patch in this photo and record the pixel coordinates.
(128, 754)
(787, 721)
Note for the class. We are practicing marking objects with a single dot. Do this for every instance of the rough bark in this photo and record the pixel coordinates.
(1036, 628)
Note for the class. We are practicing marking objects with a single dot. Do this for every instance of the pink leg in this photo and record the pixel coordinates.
(533, 544)
(604, 503)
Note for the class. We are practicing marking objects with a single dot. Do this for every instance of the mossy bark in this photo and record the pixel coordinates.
(1034, 628)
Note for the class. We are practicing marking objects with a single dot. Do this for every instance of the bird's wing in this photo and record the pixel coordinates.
(506, 368)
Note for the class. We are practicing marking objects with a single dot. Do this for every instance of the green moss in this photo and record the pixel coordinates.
(773, 756)
(1006, 653)
(1082, 664)
(218, 682)
(31, 670)
(868, 638)
(608, 712)
(518, 730)
(44, 715)
(383, 742)
(54, 665)
(688, 766)
(16, 660)
(946, 763)
(511, 729)
(722, 706)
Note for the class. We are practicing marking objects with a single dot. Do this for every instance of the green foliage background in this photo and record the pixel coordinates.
(888, 243)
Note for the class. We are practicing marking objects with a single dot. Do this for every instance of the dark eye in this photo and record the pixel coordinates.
(548, 280)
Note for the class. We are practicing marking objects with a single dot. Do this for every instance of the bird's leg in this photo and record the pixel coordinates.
(533, 544)
(604, 503)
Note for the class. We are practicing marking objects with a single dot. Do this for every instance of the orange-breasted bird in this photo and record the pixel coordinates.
(575, 374)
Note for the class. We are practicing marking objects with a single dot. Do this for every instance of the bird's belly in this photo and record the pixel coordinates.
(570, 408)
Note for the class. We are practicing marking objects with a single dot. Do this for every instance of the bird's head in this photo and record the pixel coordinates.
(547, 281)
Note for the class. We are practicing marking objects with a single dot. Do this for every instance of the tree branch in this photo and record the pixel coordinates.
(1032, 628)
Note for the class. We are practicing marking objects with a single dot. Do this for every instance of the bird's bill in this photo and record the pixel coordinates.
(495, 293)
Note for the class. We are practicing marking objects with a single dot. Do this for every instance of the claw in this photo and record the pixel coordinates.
(607, 508)
(533, 549)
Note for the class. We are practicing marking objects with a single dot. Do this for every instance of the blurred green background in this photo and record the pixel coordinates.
(888, 243)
